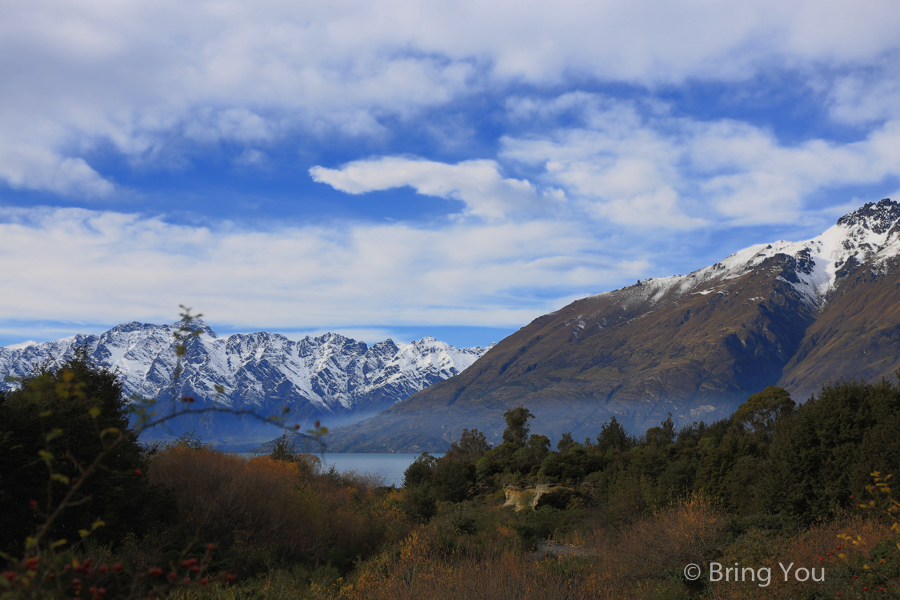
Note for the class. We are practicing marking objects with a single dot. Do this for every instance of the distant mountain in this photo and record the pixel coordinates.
(793, 314)
(330, 377)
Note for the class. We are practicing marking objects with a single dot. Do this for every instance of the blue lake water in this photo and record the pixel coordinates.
(388, 465)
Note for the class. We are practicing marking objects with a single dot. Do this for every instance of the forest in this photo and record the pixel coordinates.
(90, 512)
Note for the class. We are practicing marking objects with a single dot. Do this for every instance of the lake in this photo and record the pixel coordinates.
(388, 465)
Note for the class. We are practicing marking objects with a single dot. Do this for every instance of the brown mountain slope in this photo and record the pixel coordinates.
(637, 353)
(794, 314)
(857, 335)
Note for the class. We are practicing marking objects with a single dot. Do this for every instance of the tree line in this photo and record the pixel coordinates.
(770, 458)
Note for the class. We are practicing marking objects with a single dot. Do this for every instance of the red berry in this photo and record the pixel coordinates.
(138, 472)
(317, 424)
(204, 581)
(117, 567)
(210, 546)
(195, 569)
(33, 504)
(296, 426)
(51, 576)
(10, 575)
(103, 568)
(156, 571)
(187, 399)
(229, 577)
(173, 575)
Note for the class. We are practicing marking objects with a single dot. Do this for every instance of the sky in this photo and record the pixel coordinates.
(390, 168)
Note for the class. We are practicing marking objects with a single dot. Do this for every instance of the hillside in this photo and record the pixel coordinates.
(793, 314)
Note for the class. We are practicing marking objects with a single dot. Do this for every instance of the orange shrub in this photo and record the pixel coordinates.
(259, 503)
(815, 548)
(690, 530)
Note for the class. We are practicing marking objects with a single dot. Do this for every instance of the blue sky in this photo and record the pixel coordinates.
(391, 168)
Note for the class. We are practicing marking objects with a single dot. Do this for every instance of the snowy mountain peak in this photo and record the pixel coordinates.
(315, 377)
(813, 268)
(878, 218)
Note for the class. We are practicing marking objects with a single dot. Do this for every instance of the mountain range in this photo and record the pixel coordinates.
(791, 314)
(330, 378)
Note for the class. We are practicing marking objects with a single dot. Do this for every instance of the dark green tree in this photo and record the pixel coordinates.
(51, 430)
(420, 471)
(662, 435)
(517, 427)
(820, 451)
(613, 437)
(471, 446)
(283, 449)
(564, 442)
(762, 411)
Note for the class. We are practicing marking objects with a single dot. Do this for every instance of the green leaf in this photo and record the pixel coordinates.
(54, 433)
(46, 456)
(94, 412)
(60, 478)
(220, 389)
(45, 413)
(58, 543)
(84, 533)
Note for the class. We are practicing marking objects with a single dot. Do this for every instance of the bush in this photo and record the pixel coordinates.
(52, 429)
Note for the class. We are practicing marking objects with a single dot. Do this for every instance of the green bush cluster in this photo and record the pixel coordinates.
(770, 459)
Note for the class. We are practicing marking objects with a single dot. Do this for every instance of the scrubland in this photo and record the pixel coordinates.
(90, 513)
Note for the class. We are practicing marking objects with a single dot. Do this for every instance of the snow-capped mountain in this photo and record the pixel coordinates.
(323, 377)
(869, 235)
(792, 314)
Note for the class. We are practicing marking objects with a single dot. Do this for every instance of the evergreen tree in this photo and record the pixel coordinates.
(517, 427)
(613, 437)
(58, 421)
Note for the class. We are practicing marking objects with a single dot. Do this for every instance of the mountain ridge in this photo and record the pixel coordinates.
(693, 345)
(328, 377)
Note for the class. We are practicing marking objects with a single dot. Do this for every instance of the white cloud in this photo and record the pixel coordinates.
(642, 167)
(140, 73)
(251, 157)
(37, 168)
(106, 267)
(476, 183)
